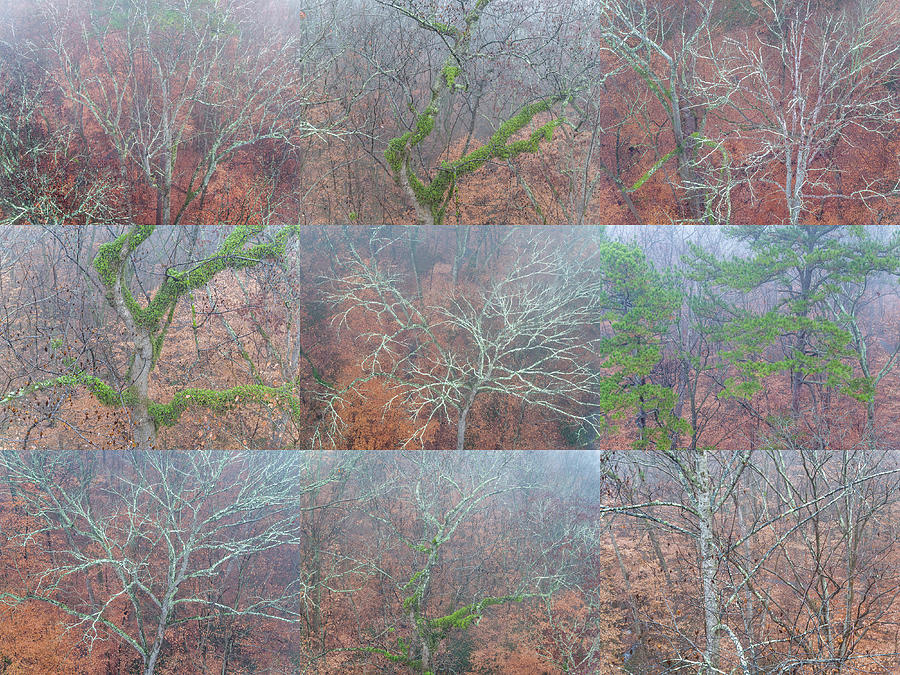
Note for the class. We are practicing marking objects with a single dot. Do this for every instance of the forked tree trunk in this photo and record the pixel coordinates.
(424, 216)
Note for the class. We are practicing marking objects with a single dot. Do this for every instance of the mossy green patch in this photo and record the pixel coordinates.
(100, 389)
(218, 401)
(403, 657)
(433, 195)
(450, 73)
(466, 616)
(110, 255)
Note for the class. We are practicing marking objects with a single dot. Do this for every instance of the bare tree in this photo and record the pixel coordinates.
(140, 546)
(429, 519)
(810, 556)
(46, 173)
(157, 78)
(810, 80)
(668, 48)
(528, 335)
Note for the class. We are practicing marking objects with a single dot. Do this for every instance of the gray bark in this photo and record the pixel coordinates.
(708, 560)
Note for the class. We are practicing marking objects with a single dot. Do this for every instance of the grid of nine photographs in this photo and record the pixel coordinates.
(449, 337)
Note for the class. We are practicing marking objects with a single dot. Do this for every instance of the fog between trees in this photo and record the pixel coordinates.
(731, 505)
(276, 354)
(493, 111)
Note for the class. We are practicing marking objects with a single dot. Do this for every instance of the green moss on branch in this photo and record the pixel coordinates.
(433, 195)
(450, 73)
(217, 401)
(402, 658)
(231, 254)
(97, 387)
(111, 255)
(465, 616)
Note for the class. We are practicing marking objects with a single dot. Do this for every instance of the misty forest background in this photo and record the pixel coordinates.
(261, 263)
(728, 503)
(470, 112)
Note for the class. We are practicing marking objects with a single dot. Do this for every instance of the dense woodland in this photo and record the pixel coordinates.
(465, 112)
(173, 398)
(292, 296)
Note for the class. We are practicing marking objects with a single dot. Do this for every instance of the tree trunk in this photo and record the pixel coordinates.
(144, 426)
(708, 561)
(163, 208)
(464, 413)
(426, 654)
(150, 663)
(796, 382)
(462, 245)
(424, 216)
(138, 378)
(461, 429)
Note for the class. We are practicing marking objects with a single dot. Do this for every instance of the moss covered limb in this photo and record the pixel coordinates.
(148, 326)
(100, 389)
(153, 321)
(231, 255)
(168, 414)
(402, 657)
(725, 169)
(112, 255)
(469, 614)
(498, 147)
(434, 195)
(434, 631)
(399, 149)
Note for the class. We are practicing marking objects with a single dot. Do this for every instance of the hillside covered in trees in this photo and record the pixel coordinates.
(475, 112)
(727, 396)
(484, 336)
